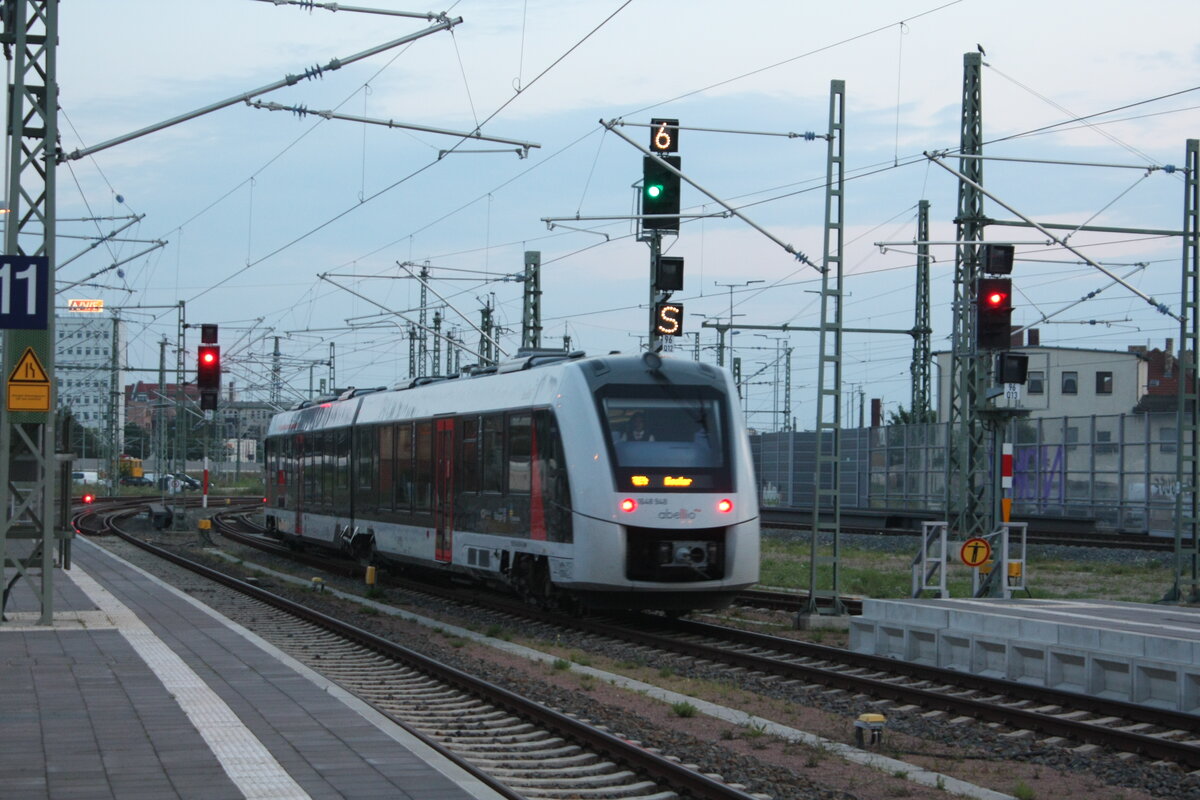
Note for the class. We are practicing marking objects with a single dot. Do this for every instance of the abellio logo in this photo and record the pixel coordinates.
(681, 514)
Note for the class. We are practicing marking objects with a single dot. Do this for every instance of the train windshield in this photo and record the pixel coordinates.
(667, 440)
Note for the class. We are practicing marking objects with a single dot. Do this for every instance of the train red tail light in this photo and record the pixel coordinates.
(725, 506)
(628, 504)
(89, 498)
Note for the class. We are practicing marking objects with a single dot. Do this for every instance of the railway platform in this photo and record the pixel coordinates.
(1132, 652)
(139, 691)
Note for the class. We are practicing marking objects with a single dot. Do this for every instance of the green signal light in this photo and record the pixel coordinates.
(654, 191)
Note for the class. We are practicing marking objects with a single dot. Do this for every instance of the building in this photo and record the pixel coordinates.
(1080, 382)
(142, 400)
(87, 368)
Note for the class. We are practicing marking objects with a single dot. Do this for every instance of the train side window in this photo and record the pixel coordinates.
(341, 469)
(493, 453)
(518, 452)
(468, 455)
(366, 461)
(312, 469)
(386, 439)
(404, 466)
(423, 467)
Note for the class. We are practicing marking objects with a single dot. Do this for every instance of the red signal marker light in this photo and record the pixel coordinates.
(89, 498)
(725, 506)
(628, 505)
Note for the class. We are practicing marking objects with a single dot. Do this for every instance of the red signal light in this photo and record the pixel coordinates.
(628, 504)
(996, 299)
(89, 498)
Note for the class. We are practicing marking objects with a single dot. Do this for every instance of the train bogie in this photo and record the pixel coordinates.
(616, 481)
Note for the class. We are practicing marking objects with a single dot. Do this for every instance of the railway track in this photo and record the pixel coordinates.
(1153, 733)
(518, 746)
(937, 701)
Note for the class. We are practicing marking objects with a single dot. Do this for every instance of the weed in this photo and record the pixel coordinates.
(587, 682)
(755, 730)
(901, 774)
(374, 593)
(683, 709)
(727, 734)
(581, 659)
(665, 672)
(561, 664)
(1023, 791)
(458, 642)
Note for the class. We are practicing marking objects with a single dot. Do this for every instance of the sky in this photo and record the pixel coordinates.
(293, 227)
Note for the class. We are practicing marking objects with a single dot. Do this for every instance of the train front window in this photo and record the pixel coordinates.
(664, 440)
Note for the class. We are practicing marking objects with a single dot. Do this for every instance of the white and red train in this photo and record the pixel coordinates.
(611, 481)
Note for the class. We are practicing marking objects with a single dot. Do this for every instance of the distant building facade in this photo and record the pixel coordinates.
(84, 361)
(1069, 381)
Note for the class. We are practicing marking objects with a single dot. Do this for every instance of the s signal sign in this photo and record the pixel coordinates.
(668, 319)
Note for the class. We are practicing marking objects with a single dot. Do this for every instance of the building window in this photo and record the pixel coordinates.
(1104, 383)
(1167, 440)
(1070, 383)
(1036, 383)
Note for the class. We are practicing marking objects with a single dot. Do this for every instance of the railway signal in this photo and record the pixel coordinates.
(668, 319)
(208, 368)
(993, 313)
(668, 274)
(660, 186)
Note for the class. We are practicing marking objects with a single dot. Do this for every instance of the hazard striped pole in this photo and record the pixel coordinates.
(1006, 480)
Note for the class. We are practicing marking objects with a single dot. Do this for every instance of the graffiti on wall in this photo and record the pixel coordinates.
(1038, 475)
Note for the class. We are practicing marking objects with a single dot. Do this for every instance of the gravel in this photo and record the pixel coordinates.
(783, 775)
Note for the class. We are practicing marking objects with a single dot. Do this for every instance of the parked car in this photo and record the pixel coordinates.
(85, 476)
(180, 481)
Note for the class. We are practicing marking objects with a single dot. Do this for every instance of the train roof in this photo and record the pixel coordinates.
(342, 408)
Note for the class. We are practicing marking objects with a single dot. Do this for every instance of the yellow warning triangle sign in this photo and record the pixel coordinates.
(29, 369)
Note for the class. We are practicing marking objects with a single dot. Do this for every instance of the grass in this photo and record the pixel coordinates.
(874, 573)
(683, 709)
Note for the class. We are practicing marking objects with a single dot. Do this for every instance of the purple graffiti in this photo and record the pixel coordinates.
(1038, 475)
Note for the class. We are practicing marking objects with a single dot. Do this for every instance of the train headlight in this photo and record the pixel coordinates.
(628, 504)
(725, 506)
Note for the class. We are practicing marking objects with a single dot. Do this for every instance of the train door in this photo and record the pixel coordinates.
(443, 489)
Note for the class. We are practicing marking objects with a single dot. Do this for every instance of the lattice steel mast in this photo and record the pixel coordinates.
(922, 328)
(27, 437)
(827, 476)
(1186, 587)
(967, 487)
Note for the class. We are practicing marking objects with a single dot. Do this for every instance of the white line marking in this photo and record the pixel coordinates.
(243, 757)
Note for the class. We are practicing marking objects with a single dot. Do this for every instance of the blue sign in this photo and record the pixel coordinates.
(25, 290)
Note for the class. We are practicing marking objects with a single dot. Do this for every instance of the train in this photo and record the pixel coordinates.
(605, 482)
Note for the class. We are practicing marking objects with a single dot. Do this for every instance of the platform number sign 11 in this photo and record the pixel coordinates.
(24, 292)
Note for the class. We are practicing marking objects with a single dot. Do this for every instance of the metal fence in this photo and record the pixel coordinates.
(1117, 470)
